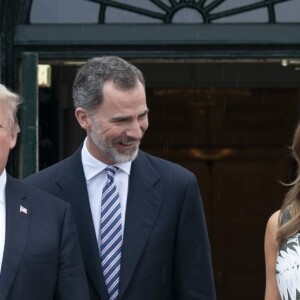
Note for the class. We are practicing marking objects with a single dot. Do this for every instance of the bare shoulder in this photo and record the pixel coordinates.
(272, 226)
(273, 221)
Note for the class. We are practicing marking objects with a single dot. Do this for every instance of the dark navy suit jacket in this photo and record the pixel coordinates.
(41, 259)
(165, 252)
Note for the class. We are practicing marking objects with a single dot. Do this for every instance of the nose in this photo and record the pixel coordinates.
(135, 130)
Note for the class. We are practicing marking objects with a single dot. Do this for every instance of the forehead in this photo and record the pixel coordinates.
(117, 99)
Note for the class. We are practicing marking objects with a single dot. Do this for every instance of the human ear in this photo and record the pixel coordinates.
(13, 140)
(82, 118)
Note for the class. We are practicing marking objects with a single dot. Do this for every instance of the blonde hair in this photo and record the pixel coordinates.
(12, 102)
(291, 201)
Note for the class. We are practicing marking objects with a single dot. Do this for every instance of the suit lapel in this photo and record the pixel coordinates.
(143, 205)
(17, 228)
(72, 184)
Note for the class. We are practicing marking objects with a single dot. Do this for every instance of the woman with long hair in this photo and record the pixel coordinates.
(282, 241)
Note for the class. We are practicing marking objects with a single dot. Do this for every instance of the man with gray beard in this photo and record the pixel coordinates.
(140, 219)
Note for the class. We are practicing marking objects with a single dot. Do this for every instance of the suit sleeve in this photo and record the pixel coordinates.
(193, 273)
(71, 278)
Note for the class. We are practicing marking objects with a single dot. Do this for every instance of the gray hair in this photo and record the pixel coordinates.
(89, 80)
(12, 102)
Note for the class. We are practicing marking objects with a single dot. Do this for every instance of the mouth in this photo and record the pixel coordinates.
(128, 142)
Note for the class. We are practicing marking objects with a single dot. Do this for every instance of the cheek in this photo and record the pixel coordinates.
(112, 132)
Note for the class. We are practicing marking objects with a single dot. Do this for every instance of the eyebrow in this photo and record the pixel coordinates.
(124, 118)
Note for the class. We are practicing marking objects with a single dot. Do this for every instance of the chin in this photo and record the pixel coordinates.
(126, 157)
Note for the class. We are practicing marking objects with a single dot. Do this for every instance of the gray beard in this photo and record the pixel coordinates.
(113, 155)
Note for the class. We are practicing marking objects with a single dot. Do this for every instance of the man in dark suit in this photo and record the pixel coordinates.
(40, 256)
(140, 218)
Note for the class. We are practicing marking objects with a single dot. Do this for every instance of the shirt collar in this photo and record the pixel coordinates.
(93, 166)
(3, 178)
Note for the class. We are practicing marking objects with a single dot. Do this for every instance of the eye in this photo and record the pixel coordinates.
(120, 120)
(143, 116)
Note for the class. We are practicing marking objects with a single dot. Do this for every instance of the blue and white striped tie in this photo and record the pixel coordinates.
(111, 234)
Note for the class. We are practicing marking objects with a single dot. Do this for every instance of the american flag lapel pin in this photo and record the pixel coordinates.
(23, 210)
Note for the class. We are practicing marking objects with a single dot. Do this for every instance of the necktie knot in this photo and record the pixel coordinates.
(111, 171)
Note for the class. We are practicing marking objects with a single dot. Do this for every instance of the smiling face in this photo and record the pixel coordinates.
(115, 129)
(8, 136)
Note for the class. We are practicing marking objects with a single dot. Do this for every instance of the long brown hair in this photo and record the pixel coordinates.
(292, 199)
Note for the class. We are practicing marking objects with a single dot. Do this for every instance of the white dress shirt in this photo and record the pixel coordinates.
(95, 176)
(3, 179)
